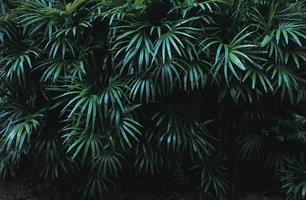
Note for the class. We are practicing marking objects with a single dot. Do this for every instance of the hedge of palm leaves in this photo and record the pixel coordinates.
(185, 99)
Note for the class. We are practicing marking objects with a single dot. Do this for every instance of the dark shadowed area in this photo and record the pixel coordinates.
(25, 190)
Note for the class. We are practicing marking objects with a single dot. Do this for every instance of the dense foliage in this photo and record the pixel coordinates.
(182, 99)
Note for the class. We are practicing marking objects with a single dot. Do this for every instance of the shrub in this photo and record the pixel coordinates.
(101, 94)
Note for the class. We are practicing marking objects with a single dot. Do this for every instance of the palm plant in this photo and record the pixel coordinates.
(95, 91)
(293, 179)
